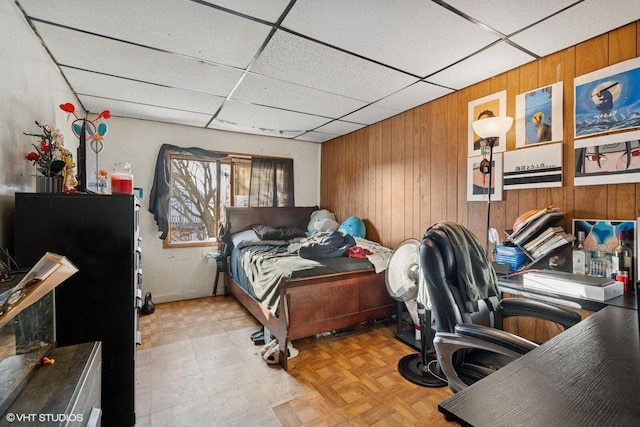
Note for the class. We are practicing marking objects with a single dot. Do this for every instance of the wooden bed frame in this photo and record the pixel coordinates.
(310, 306)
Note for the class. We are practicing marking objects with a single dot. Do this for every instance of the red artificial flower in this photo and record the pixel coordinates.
(33, 156)
(44, 146)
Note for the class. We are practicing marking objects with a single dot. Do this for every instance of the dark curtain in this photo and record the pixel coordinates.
(160, 191)
(271, 182)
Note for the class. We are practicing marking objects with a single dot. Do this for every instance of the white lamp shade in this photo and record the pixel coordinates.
(492, 127)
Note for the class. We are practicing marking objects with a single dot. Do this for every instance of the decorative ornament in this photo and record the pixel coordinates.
(95, 129)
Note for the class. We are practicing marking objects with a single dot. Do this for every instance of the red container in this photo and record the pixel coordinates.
(121, 183)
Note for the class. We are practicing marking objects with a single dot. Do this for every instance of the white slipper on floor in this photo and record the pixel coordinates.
(272, 357)
(265, 349)
(291, 352)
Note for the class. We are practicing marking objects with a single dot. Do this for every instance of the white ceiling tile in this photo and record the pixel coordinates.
(70, 48)
(488, 63)
(236, 127)
(144, 112)
(93, 84)
(508, 16)
(387, 31)
(581, 22)
(354, 63)
(184, 27)
(266, 118)
(339, 127)
(414, 95)
(371, 114)
(277, 93)
(269, 10)
(301, 61)
(315, 137)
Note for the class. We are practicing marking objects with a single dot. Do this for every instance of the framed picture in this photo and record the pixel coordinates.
(610, 159)
(478, 183)
(607, 99)
(488, 106)
(539, 116)
(534, 167)
(603, 234)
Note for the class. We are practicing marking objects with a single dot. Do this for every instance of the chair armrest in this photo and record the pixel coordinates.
(510, 307)
(468, 336)
(502, 339)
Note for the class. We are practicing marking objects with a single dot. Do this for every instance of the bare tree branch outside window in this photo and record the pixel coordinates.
(194, 193)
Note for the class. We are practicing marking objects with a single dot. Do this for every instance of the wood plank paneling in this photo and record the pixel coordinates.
(425, 174)
(405, 173)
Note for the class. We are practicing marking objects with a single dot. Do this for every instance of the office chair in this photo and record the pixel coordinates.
(468, 342)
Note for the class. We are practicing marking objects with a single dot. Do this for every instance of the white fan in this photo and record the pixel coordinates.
(403, 278)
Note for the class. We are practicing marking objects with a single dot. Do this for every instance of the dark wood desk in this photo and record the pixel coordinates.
(589, 375)
(514, 286)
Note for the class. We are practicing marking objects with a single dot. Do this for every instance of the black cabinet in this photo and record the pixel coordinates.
(100, 235)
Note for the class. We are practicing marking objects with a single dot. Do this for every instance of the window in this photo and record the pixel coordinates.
(199, 190)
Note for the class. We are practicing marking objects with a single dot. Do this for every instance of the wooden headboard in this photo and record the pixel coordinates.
(241, 218)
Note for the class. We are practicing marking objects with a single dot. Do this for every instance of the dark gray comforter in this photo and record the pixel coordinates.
(261, 269)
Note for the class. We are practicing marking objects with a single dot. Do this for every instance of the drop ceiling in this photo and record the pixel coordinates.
(307, 70)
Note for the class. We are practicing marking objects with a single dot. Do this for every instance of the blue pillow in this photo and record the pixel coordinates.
(354, 227)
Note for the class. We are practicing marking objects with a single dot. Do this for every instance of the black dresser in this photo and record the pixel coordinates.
(100, 235)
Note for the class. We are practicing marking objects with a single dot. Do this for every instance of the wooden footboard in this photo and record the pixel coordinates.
(314, 305)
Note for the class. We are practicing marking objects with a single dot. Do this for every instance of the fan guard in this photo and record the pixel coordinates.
(403, 271)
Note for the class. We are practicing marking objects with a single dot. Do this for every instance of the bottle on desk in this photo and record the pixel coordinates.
(621, 261)
(600, 265)
(580, 256)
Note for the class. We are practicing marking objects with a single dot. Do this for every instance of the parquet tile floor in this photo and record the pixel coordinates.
(197, 366)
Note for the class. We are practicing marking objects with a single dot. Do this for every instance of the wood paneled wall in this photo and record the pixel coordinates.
(403, 174)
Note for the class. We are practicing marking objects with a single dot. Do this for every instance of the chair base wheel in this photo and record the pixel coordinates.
(412, 368)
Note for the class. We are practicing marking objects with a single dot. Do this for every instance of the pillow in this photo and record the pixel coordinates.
(250, 238)
(266, 232)
(326, 224)
(316, 216)
(353, 226)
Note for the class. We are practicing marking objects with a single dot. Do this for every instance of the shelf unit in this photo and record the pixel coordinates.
(542, 228)
(100, 235)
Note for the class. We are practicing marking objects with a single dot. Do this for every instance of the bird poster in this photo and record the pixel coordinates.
(539, 116)
(608, 99)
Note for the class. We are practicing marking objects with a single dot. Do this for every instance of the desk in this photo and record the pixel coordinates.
(514, 286)
(589, 375)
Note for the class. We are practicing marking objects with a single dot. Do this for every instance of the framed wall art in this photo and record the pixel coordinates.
(603, 234)
(610, 159)
(488, 106)
(534, 167)
(608, 99)
(539, 116)
(478, 183)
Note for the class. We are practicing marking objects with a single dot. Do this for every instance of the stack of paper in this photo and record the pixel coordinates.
(534, 227)
(51, 270)
(575, 285)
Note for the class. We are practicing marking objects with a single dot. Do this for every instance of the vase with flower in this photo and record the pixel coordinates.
(53, 162)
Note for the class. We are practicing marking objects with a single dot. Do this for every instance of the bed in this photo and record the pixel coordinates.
(311, 304)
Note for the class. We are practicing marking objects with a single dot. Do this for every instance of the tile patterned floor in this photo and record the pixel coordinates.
(197, 366)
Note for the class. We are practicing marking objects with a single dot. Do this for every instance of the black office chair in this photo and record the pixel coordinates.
(469, 345)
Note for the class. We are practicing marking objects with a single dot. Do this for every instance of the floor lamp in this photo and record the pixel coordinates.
(490, 129)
